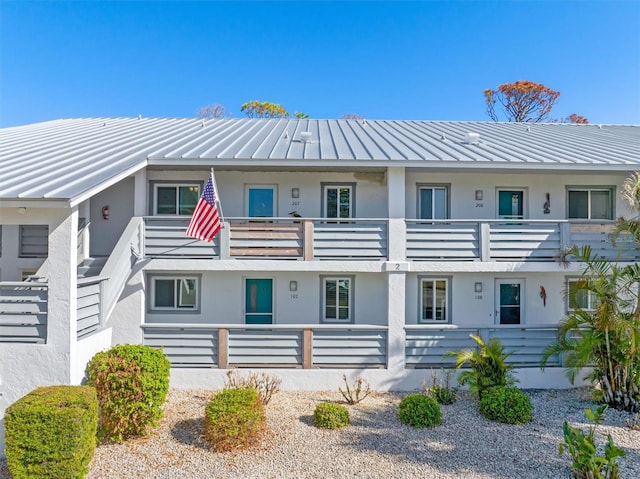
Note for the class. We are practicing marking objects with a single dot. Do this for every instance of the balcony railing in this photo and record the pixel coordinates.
(290, 346)
(368, 239)
(285, 238)
(23, 312)
(426, 345)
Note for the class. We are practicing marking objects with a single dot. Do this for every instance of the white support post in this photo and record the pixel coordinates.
(140, 193)
(62, 317)
(225, 239)
(396, 269)
(485, 241)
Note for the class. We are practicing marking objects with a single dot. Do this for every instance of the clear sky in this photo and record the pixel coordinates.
(382, 60)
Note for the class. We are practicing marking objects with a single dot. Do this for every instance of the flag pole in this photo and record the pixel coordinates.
(219, 205)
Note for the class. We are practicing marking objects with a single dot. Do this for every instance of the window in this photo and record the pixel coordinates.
(176, 199)
(434, 300)
(590, 203)
(34, 241)
(433, 202)
(174, 293)
(337, 299)
(578, 297)
(338, 201)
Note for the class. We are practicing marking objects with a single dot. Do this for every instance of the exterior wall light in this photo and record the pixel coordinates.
(293, 286)
(479, 195)
(295, 192)
(477, 287)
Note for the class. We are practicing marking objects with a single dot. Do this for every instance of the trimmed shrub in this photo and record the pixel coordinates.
(234, 419)
(506, 404)
(418, 410)
(331, 416)
(132, 382)
(51, 433)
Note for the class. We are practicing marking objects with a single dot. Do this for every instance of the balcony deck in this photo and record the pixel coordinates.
(368, 239)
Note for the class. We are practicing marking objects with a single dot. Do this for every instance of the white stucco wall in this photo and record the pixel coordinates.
(469, 308)
(105, 233)
(223, 301)
(463, 186)
(370, 195)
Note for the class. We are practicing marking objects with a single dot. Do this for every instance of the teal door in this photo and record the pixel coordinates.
(509, 301)
(258, 301)
(260, 201)
(510, 204)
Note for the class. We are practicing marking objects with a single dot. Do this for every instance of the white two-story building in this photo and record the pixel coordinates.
(348, 246)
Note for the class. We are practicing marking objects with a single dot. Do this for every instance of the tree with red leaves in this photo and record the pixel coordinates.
(521, 101)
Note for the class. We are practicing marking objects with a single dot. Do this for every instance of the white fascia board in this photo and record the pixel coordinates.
(440, 164)
(191, 265)
(34, 203)
(85, 195)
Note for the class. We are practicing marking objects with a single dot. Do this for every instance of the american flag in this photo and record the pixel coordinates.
(205, 222)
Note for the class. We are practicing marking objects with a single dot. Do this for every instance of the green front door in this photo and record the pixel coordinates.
(258, 301)
(510, 204)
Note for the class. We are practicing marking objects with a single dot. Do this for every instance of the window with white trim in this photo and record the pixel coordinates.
(174, 293)
(433, 202)
(434, 300)
(338, 200)
(337, 299)
(175, 199)
(590, 203)
(578, 297)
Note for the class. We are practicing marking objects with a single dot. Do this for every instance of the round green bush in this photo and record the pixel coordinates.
(331, 416)
(506, 404)
(132, 382)
(418, 410)
(234, 419)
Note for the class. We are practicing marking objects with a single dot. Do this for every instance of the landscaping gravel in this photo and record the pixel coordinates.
(376, 445)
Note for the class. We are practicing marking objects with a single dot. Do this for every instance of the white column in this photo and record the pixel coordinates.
(396, 268)
(140, 194)
(63, 285)
(85, 212)
(396, 285)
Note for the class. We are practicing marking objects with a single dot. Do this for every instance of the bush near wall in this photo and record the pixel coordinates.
(132, 382)
(51, 433)
(234, 419)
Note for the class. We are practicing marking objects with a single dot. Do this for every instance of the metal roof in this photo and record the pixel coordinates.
(69, 159)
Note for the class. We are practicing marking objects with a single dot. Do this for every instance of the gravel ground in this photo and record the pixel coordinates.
(376, 445)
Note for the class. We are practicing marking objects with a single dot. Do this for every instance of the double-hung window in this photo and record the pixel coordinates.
(174, 293)
(337, 299)
(434, 300)
(175, 199)
(590, 203)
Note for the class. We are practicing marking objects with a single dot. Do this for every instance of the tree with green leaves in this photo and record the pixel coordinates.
(264, 109)
(606, 337)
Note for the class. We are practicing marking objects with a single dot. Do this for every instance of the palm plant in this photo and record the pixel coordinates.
(488, 366)
(607, 337)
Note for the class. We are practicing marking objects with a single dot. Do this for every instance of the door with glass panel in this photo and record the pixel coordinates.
(509, 301)
(338, 201)
(432, 202)
(258, 301)
(510, 204)
(260, 200)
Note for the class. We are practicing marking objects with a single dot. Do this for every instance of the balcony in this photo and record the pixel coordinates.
(270, 346)
(368, 239)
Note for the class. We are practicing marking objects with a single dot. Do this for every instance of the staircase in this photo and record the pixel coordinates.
(91, 267)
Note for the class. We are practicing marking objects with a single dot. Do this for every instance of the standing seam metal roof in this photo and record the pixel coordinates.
(64, 159)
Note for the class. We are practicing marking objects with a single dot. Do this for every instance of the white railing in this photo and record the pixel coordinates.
(270, 345)
(118, 267)
(512, 240)
(23, 312)
(165, 237)
(426, 346)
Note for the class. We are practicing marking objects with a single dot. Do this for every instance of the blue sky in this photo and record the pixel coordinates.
(382, 60)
